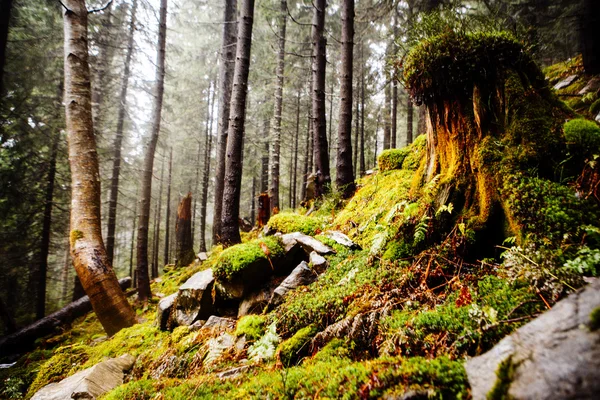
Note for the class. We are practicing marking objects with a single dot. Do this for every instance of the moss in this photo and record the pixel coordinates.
(415, 154)
(288, 223)
(75, 236)
(292, 350)
(595, 319)
(336, 348)
(582, 135)
(504, 377)
(392, 159)
(233, 260)
(398, 250)
(142, 389)
(14, 381)
(252, 326)
(595, 107)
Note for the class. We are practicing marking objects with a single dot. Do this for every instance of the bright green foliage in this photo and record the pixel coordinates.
(392, 159)
(583, 135)
(292, 350)
(252, 326)
(587, 262)
(289, 222)
(233, 260)
(335, 348)
(265, 347)
(416, 153)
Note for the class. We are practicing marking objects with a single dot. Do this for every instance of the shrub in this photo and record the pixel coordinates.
(582, 135)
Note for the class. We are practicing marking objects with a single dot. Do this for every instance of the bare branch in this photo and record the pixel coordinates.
(101, 8)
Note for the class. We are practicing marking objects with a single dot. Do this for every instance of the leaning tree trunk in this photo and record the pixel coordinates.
(87, 248)
(278, 109)
(228, 52)
(230, 230)
(143, 280)
(345, 171)
(114, 182)
(184, 251)
(319, 44)
(5, 10)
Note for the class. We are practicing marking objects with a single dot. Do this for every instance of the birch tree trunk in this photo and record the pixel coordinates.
(230, 231)
(228, 52)
(87, 248)
(114, 182)
(345, 171)
(143, 280)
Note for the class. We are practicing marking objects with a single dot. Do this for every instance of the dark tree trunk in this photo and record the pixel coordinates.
(230, 232)
(275, 167)
(206, 174)
(376, 138)
(65, 275)
(131, 246)
(356, 127)
(309, 144)
(264, 210)
(409, 120)
(253, 202)
(590, 44)
(329, 136)
(184, 252)
(295, 167)
(386, 115)
(157, 216)
(362, 115)
(42, 271)
(78, 291)
(394, 116)
(87, 248)
(168, 215)
(114, 182)
(422, 123)
(319, 44)
(345, 171)
(143, 280)
(5, 10)
(7, 319)
(264, 170)
(228, 52)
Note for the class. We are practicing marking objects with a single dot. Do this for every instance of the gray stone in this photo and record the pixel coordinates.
(308, 243)
(555, 356)
(592, 86)
(301, 275)
(89, 383)
(342, 239)
(163, 311)
(202, 256)
(255, 302)
(566, 82)
(219, 324)
(194, 300)
(319, 263)
(217, 346)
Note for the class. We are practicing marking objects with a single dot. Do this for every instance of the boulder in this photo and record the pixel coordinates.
(342, 239)
(194, 300)
(163, 311)
(566, 82)
(592, 86)
(308, 243)
(89, 383)
(255, 302)
(301, 275)
(219, 324)
(319, 263)
(202, 256)
(555, 356)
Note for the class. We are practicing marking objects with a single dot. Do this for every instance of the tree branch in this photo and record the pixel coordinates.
(101, 8)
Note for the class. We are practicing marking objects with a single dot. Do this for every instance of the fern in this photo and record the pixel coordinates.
(264, 348)
(421, 229)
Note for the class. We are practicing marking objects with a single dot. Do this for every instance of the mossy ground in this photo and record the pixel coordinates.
(291, 222)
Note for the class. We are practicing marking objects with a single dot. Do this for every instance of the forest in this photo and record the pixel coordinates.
(392, 199)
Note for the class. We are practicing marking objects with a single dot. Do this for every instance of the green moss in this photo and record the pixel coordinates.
(75, 236)
(392, 159)
(289, 222)
(252, 326)
(595, 319)
(595, 107)
(142, 389)
(233, 260)
(336, 348)
(292, 350)
(504, 377)
(397, 250)
(416, 153)
(582, 135)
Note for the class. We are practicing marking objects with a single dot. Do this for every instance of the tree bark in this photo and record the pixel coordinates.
(228, 53)
(386, 115)
(5, 10)
(264, 210)
(295, 168)
(590, 44)
(264, 171)
(253, 202)
(131, 270)
(7, 319)
(409, 120)
(394, 116)
(116, 170)
(356, 127)
(345, 171)
(275, 167)
(184, 251)
(230, 232)
(362, 115)
(319, 44)
(157, 216)
(168, 215)
(24, 339)
(103, 60)
(206, 174)
(87, 248)
(143, 280)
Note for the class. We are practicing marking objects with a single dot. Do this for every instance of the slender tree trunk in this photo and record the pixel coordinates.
(102, 66)
(309, 145)
(205, 176)
(362, 115)
(87, 249)
(590, 44)
(329, 136)
(295, 168)
(228, 52)
(356, 127)
(168, 214)
(116, 170)
(131, 270)
(5, 10)
(157, 216)
(409, 120)
(197, 182)
(184, 251)
(386, 115)
(65, 276)
(264, 171)
(376, 138)
(275, 167)
(143, 281)
(230, 231)
(253, 202)
(319, 44)
(345, 171)
(394, 116)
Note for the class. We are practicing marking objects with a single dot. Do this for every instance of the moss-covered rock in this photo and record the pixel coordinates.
(290, 222)
(582, 135)
(258, 253)
(392, 159)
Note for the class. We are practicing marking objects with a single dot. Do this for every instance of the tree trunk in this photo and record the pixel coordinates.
(295, 168)
(356, 127)
(206, 174)
(394, 116)
(7, 319)
(329, 136)
(422, 123)
(230, 232)
(309, 143)
(5, 10)
(143, 280)
(275, 168)
(362, 115)
(264, 210)
(184, 251)
(87, 249)
(65, 275)
(157, 216)
(168, 215)
(101, 70)
(252, 203)
(42, 270)
(228, 53)
(24, 339)
(376, 138)
(114, 182)
(409, 120)
(264, 171)
(386, 115)
(131, 270)
(345, 171)
(319, 44)
(590, 44)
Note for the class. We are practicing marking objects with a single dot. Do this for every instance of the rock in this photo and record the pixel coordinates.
(194, 300)
(255, 302)
(202, 256)
(555, 356)
(592, 86)
(217, 346)
(301, 275)
(89, 383)
(163, 311)
(308, 243)
(233, 373)
(319, 263)
(342, 239)
(268, 231)
(565, 82)
(219, 324)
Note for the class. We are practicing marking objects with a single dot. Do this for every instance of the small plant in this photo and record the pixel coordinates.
(582, 135)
